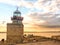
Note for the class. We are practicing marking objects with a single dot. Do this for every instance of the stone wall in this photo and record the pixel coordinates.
(14, 33)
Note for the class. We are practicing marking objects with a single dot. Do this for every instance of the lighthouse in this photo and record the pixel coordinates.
(16, 28)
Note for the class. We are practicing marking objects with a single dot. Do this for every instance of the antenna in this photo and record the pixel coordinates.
(17, 8)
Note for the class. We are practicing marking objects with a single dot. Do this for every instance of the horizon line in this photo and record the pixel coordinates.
(39, 32)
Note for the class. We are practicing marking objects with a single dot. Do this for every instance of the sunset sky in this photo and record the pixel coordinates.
(36, 13)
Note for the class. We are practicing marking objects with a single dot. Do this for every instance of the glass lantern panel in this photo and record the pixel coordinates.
(17, 14)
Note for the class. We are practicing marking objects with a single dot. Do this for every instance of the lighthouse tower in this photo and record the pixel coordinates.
(15, 29)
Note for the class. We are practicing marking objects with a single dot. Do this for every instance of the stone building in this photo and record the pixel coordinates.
(15, 29)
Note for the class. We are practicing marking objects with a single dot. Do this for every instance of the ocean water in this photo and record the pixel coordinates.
(4, 35)
(45, 34)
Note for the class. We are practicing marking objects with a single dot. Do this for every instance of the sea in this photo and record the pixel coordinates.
(4, 35)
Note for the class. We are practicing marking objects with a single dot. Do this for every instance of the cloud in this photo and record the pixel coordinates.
(17, 3)
(49, 7)
(49, 15)
(46, 19)
(46, 5)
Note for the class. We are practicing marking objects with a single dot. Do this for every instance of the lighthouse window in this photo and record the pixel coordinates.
(18, 14)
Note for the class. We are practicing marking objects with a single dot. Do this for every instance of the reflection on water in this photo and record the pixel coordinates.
(3, 35)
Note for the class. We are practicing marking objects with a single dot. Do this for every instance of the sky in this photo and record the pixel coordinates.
(36, 13)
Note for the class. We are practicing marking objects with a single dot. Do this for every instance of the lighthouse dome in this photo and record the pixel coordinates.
(17, 13)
